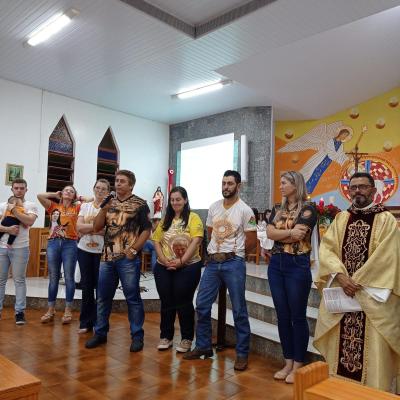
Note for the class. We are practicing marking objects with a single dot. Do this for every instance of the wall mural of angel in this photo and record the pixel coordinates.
(327, 140)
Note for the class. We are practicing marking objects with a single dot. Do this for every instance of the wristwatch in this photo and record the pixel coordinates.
(132, 252)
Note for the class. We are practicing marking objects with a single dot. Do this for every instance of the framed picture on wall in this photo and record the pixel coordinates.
(13, 171)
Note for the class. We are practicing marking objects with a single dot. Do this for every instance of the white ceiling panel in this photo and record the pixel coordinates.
(116, 56)
(318, 76)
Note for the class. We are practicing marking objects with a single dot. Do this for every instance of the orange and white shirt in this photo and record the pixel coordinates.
(63, 221)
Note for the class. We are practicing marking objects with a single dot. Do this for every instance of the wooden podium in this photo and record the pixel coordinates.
(37, 264)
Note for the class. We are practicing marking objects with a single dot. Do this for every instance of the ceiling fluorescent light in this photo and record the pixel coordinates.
(51, 27)
(201, 90)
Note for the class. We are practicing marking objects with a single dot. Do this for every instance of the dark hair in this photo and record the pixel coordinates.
(58, 218)
(19, 180)
(170, 213)
(102, 180)
(265, 214)
(129, 174)
(256, 213)
(235, 174)
(363, 175)
(158, 190)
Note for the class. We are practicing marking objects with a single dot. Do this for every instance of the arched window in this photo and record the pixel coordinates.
(60, 167)
(107, 158)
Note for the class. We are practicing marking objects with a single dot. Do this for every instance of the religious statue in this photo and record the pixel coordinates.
(158, 203)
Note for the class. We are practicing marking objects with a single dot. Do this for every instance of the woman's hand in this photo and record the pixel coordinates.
(298, 232)
(173, 265)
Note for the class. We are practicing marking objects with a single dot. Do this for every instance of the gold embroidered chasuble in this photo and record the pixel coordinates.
(362, 346)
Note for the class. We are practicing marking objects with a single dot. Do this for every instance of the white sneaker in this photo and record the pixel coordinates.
(164, 344)
(184, 346)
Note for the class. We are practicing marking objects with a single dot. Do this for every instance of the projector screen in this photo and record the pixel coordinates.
(202, 164)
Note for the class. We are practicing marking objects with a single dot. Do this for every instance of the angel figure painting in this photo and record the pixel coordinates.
(327, 140)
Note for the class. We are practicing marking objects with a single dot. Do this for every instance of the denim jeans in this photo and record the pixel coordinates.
(61, 251)
(18, 258)
(290, 280)
(89, 264)
(233, 274)
(176, 290)
(149, 247)
(128, 272)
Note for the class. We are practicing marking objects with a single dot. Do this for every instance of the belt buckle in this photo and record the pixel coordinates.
(117, 257)
(219, 257)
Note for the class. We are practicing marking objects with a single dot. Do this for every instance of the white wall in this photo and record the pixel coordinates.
(28, 117)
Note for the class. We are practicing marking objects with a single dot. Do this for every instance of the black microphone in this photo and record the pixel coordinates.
(107, 199)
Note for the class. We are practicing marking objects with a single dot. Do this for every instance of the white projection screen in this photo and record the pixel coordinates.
(203, 163)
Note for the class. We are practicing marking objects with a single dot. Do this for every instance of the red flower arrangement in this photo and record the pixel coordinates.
(326, 214)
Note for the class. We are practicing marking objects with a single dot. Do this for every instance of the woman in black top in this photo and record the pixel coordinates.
(289, 275)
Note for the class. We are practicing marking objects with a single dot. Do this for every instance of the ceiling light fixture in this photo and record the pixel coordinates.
(201, 90)
(51, 27)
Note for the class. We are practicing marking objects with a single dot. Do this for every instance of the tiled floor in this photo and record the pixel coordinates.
(56, 354)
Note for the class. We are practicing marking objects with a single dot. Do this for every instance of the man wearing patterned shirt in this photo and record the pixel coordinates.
(127, 227)
(232, 230)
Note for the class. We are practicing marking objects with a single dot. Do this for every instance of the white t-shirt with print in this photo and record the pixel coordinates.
(229, 227)
(22, 239)
(90, 243)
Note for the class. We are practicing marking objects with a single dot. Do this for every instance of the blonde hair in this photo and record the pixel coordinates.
(297, 180)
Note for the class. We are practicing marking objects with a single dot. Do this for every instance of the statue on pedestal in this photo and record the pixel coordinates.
(158, 203)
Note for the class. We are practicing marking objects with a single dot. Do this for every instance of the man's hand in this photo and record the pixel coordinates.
(13, 230)
(349, 286)
(108, 205)
(299, 232)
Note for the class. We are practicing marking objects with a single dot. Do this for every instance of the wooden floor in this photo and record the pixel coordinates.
(56, 355)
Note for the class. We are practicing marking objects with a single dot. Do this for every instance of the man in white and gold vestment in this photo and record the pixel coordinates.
(361, 253)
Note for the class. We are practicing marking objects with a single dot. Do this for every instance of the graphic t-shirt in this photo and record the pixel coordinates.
(90, 242)
(175, 241)
(229, 227)
(287, 220)
(22, 240)
(63, 221)
(125, 221)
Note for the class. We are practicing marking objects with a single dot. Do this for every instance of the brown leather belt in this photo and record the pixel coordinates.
(221, 257)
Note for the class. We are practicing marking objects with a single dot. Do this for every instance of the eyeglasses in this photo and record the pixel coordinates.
(362, 188)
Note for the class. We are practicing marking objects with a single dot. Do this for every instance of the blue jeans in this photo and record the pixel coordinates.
(61, 251)
(149, 247)
(128, 272)
(176, 290)
(18, 258)
(290, 280)
(233, 274)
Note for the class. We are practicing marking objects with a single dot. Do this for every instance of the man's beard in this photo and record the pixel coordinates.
(229, 195)
(361, 201)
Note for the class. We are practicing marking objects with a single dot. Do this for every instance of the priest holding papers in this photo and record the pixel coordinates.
(360, 260)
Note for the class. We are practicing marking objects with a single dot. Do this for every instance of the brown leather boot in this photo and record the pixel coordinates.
(241, 363)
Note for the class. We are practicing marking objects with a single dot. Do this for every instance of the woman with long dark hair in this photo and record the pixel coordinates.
(289, 271)
(178, 268)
